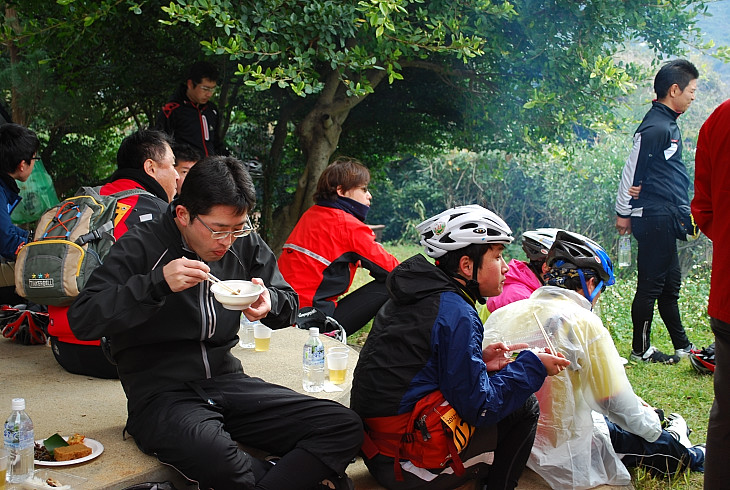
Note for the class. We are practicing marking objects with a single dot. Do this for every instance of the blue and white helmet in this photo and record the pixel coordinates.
(571, 255)
(460, 227)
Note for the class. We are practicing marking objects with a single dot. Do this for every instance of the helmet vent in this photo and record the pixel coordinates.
(447, 239)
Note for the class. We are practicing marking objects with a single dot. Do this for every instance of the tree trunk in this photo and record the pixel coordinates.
(19, 115)
(319, 134)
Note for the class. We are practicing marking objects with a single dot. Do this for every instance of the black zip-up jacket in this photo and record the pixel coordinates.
(656, 164)
(190, 123)
(162, 340)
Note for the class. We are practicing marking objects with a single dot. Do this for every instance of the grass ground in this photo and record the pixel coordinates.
(672, 388)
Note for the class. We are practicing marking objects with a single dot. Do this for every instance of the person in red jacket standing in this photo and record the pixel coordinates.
(711, 211)
(330, 241)
(144, 161)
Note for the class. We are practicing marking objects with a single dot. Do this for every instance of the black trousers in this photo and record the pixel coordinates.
(717, 462)
(659, 280)
(200, 439)
(512, 445)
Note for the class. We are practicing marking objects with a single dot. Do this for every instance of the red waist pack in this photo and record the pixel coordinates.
(431, 436)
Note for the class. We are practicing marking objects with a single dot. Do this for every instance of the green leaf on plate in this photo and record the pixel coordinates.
(53, 442)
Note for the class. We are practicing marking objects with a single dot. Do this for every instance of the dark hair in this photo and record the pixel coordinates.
(141, 145)
(344, 172)
(202, 69)
(185, 153)
(449, 262)
(217, 181)
(17, 143)
(677, 71)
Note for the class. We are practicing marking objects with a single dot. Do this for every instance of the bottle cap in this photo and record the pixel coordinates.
(314, 331)
(18, 404)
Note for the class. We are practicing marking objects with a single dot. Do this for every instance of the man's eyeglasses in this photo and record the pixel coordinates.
(210, 90)
(222, 235)
(36, 159)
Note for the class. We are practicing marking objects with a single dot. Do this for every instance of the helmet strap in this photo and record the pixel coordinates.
(589, 296)
(473, 287)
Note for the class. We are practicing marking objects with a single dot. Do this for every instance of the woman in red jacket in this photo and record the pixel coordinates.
(329, 243)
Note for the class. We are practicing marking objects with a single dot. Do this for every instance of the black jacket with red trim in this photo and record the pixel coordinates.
(190, 123)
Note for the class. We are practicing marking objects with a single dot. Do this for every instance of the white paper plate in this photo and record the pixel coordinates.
(96, 450)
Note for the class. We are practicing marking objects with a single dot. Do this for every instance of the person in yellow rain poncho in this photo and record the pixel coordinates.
(589, 414)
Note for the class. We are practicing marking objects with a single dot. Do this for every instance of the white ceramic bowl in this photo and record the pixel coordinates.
(249, 292)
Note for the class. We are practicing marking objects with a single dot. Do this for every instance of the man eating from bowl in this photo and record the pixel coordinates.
(189, 401)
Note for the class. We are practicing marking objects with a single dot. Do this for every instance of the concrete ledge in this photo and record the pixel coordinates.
(66, 403)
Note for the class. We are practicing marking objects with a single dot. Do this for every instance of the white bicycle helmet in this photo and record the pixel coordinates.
(460, 227)
(536, 243)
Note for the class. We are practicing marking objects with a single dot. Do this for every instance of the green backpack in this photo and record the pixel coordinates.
(71, 240)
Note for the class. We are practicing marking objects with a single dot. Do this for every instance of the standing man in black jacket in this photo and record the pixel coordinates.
(189, 401)
(654, 186)
(190, 117)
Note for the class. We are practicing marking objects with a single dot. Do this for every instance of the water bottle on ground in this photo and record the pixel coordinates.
(313, 363)
(19, 442)
(624, 250)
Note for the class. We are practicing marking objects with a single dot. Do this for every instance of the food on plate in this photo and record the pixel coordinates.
(40, 453)
(74, 451)
(57, 448)
(76, 439)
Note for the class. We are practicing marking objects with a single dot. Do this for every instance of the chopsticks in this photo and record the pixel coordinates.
(215, 280)
(545, 335)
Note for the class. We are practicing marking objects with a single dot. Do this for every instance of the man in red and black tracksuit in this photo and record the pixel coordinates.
(145, 161)
(711, 209)
(190, 117)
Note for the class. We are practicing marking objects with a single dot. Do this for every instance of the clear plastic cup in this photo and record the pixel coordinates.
(262, 337)
(337, 366)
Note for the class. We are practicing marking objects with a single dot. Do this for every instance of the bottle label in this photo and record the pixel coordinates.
(16, 439)
(314, 355)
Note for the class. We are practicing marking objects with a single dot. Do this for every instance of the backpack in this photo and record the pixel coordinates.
(71, 240)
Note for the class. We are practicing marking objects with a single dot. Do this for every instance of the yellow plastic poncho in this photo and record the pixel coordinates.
(570, 451)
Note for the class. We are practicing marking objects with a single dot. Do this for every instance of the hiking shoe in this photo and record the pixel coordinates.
(652, 354)
(684, 352)
(678, 429)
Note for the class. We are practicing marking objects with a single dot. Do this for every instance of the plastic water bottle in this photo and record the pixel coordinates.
(245, 333)
(313, 363)
(624, 250)
(19, 442)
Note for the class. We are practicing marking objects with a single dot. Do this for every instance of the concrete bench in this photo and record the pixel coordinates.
(64, 403)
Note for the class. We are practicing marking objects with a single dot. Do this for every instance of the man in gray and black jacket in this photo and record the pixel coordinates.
(654, 186)
(189, 401)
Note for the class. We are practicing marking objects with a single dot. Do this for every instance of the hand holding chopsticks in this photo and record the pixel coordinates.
(545, 336)
(215, 280)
